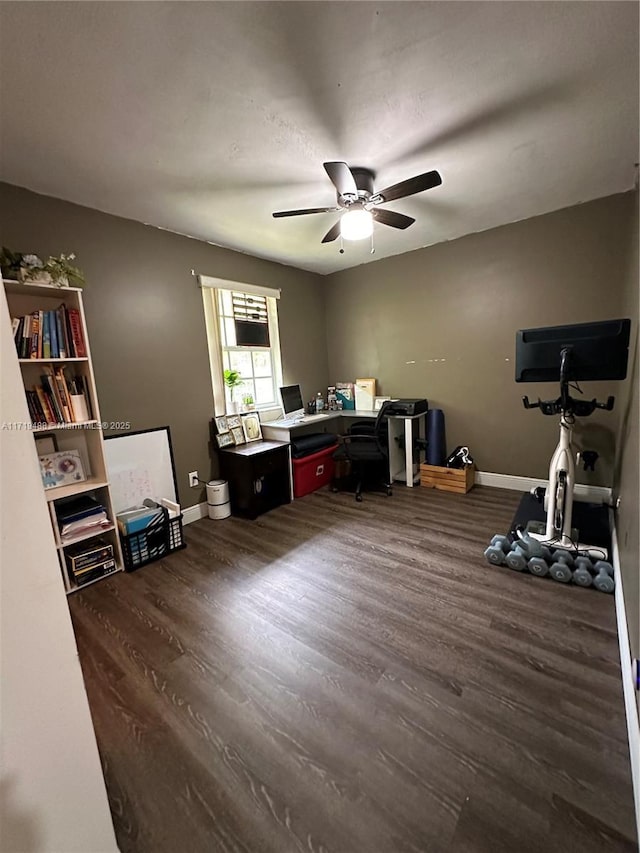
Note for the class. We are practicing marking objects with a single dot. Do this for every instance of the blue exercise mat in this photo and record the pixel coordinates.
(436, 438)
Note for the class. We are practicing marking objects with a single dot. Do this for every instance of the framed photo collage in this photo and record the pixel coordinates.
(234, 430)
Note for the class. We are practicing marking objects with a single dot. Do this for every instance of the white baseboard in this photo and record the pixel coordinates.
(626, 665)
(194, 513)
(597, 494)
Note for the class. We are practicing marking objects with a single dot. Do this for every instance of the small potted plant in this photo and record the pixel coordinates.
(63, 273)
(30, 268)
(248, 403)
(232, 380)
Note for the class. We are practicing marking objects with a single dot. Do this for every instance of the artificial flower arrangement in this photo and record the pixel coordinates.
(30, 268)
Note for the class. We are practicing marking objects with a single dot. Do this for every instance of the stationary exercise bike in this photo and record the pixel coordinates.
(552, 548)
(558, 499)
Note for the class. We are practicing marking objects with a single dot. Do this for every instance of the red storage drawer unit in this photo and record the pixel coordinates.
(314, 471)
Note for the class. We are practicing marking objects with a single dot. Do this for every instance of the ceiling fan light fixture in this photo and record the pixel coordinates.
(356, 225)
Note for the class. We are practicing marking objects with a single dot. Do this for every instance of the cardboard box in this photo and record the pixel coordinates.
(365, 390)
(458, 480)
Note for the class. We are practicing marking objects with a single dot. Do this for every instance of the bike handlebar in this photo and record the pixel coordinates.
(529, 405)
(608, 405)
(581, 408)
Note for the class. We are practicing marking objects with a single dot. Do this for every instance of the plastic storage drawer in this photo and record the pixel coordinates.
(314, 471)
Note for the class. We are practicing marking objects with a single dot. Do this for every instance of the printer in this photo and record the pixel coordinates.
(413, 406)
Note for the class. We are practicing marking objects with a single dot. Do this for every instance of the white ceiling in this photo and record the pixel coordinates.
(203, 118)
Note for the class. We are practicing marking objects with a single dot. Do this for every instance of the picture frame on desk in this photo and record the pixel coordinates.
(234, 421)
(251, 426)
(238, 435)
(224, 439)
(221, 423)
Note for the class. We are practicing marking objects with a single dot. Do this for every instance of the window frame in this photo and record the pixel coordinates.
(211, 288)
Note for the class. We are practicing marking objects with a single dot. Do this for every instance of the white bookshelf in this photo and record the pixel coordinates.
(84, 436)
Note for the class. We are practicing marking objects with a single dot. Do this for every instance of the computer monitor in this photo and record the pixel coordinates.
(596, 351)
(292, 401)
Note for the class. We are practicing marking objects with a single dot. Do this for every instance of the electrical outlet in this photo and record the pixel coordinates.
(193, 479)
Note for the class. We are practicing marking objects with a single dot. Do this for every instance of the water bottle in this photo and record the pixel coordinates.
(319, 402)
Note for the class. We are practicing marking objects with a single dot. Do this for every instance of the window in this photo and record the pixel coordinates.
(242, 331)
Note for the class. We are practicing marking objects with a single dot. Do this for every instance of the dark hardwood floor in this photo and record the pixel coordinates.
(355, 677)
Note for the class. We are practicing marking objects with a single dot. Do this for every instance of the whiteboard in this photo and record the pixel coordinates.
(140, 465)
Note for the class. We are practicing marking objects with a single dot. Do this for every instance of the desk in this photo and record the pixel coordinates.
(401, 466)
(285, 433)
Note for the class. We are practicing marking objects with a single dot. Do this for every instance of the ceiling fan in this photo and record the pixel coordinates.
(360, 202)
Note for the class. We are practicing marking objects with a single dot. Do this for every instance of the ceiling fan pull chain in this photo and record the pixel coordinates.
(373, 251)
(341, 245)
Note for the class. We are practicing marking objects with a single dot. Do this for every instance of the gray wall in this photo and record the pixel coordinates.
(627, 468)
(440, 323)
(146, 321)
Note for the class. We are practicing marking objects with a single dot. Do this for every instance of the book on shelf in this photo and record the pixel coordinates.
(86, 556)
(76, 507)
(53, 333)
(34, 345)
(60, 398)
(22, 336)
(92, 573)
(61, 336)
(56, 333)
(46, 334)
(38, 418)
(77, 335)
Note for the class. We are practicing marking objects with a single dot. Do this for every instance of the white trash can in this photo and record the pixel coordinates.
(218, 499)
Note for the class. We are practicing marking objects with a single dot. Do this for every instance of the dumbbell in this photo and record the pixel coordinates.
(561, 567)
(501, 541)
(529, 545)
(546, 553)
(603, 580)
(516, 559)
(494, 555)
(498, 546)
(538, 566)
(563, 556)
(582, 572)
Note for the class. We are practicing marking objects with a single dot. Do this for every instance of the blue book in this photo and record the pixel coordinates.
(62, 350)
(53, 330)
(46, 336)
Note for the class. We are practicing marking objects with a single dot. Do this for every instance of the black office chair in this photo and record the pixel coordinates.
(366, 447)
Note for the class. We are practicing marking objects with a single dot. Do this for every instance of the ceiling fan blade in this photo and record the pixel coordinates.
(280, 213)
(390, 217)
(341, 178)
(411, 186)
(332, 233)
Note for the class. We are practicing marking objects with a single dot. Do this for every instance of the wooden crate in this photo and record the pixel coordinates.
(458, 480)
